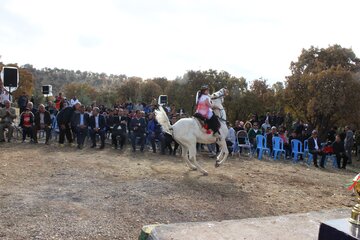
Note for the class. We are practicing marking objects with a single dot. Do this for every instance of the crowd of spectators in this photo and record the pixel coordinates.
(67, 120)
(134, 123)
(339, 142)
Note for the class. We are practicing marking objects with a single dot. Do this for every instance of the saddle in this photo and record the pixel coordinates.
(203, 122)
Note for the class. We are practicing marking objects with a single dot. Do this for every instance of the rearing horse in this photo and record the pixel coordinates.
(188, 131)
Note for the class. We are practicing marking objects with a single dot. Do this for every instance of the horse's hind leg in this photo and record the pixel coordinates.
(184, 154)
(225, 152)
(192, 155)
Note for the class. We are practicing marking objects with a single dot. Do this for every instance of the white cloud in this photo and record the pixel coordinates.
(165, 38)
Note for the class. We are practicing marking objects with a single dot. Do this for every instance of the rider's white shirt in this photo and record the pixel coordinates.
(203, 98)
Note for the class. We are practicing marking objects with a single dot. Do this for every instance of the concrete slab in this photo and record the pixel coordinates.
(295, 226)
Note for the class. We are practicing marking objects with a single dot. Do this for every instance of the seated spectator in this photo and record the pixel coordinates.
(97, 125)
(253, 132)
(269, 136)
(42, 122)
(315, 149)
(339, 151)
(119, 129)
(26, 123)
(287, 144)
(30, 106)
(80, 123)
(138, 128)
(7, 115)
(230, 138)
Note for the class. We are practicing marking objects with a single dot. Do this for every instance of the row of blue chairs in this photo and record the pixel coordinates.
(297, 149)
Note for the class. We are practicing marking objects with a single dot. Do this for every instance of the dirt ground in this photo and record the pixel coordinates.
(48, 192)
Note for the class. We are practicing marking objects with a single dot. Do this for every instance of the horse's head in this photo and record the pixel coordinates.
(218, 98)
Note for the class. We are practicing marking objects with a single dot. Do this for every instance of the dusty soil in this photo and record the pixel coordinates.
(48, 192)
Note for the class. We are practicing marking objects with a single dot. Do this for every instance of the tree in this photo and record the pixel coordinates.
(83, 91)
(150, 89)
(323, 88)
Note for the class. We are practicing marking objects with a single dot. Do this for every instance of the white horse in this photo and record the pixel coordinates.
(188, 131)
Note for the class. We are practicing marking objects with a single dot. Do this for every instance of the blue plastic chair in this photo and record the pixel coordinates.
(243, 141)
(278, 147)
(307, 153)
(296, 149)
(261, 146)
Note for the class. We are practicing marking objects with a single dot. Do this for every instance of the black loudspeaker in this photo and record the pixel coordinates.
(11, 77)
(46, 89)
(163, 99)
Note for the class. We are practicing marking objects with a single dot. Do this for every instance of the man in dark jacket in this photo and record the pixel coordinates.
(42, 122)
(120, 123)
(97, 125)
(80, 123)
(138, 128)
(315, 149)
(339, 151)
(22, 102)
(64, 118)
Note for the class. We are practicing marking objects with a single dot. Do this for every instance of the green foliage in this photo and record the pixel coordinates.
(324, 86)
(322, 89)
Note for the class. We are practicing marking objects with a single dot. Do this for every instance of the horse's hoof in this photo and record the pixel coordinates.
(205, 173)
(193, 169)
(217, 164)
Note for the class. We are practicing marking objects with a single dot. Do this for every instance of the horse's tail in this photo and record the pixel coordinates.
(163, 120)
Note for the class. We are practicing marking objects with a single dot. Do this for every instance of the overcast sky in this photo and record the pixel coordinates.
(165, 38)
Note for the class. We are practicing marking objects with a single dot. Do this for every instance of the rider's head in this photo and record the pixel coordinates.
(204, 89)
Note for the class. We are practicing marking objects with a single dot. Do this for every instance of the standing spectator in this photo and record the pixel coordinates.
(59, 101)
(97, 125)
(22, 102)
(7, 116)
(349, 143)
(153, 131)
(42, 121)
(299, 127)
(138, 126)
(331, 134)
(315, 149)
(64, 118)
(272, 119)
(279, 119)
(26, 123)
(265, 126)
(339, 151)
(51, 109)
(73, 101)
(288, 122)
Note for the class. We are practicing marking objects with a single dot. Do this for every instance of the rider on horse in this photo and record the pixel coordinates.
(204, 109)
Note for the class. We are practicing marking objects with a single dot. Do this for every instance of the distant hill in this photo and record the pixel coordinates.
(58, 78)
